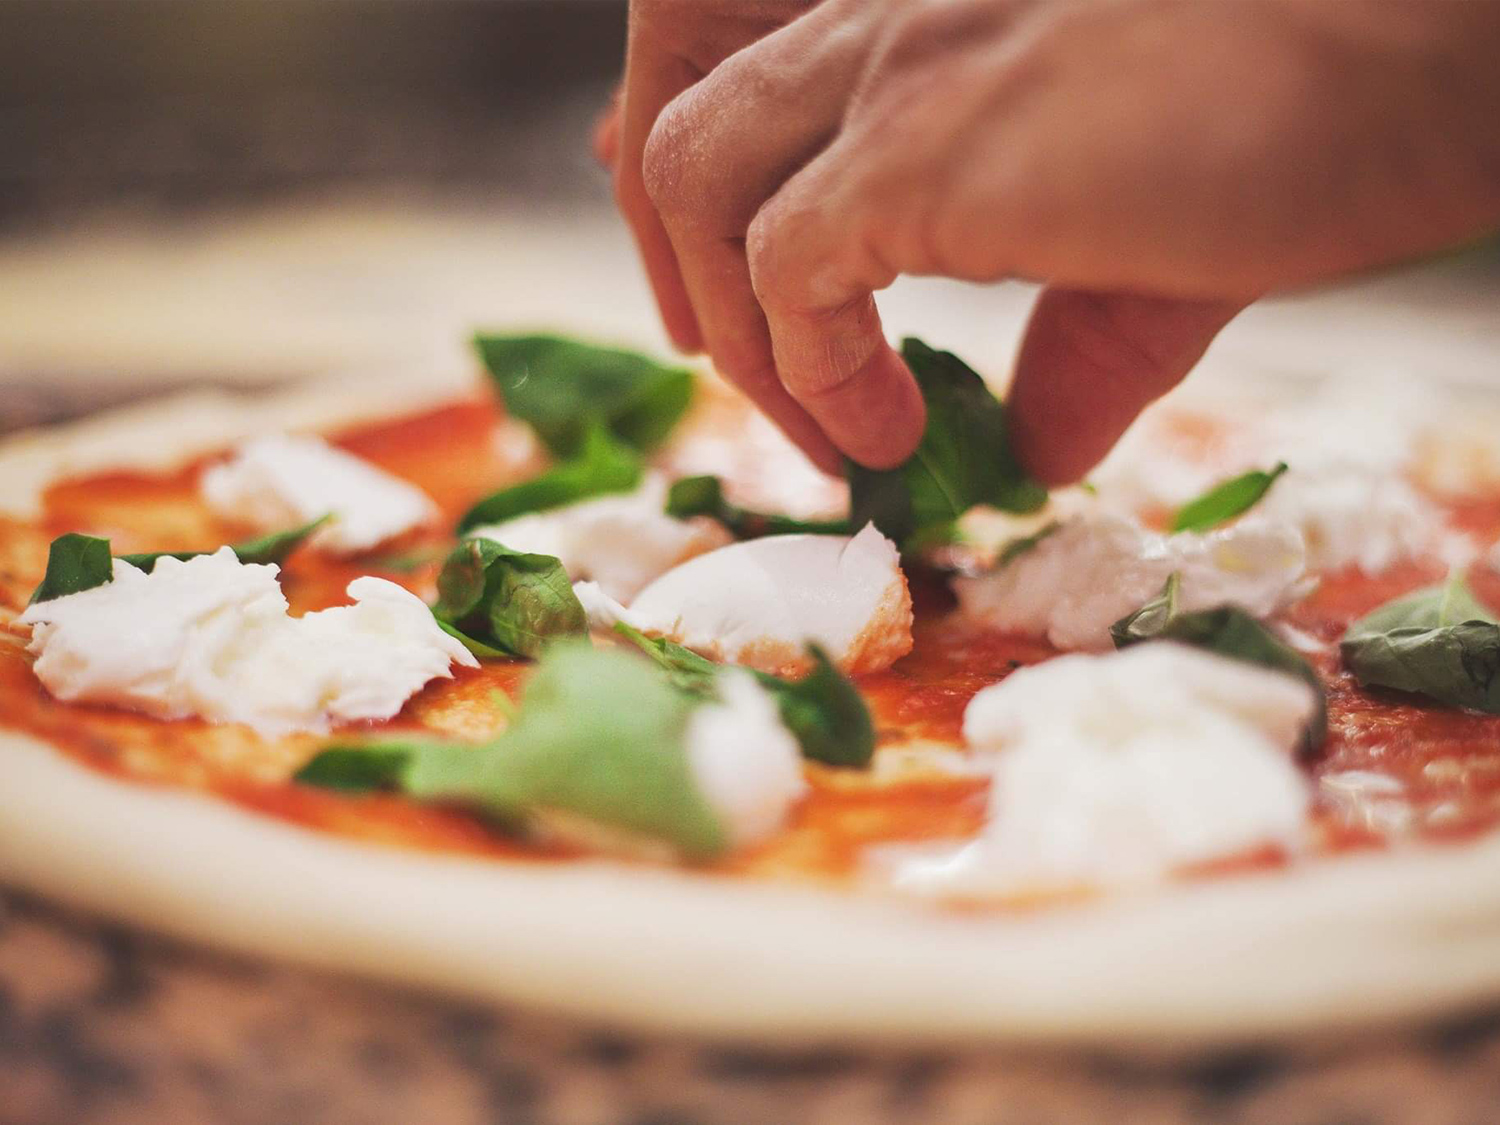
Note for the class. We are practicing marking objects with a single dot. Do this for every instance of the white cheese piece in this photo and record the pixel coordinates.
(1121, 769)
(1351, 516)
(746, 763)
(211, 637)
(282, 481)
(621, 542)
(1093, 570)
(759, 602)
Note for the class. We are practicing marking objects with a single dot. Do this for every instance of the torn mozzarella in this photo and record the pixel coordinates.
(745, 761)
(759, 602)
(211, 637)
(1124, 768)
(1078, 581)
(281, 481)
(1353, 516)
(621, 542)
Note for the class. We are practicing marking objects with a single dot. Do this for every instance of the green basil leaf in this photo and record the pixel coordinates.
(1227, 631)
(560, 387)
(359, 769)
(1227, 500)
(704, 496)
(598, 735)
(823, 710)
(1018, 547)
(602, 466)
(272, 548)
(74, 563)
(1438, 642)
(964, 458)
(493, 598)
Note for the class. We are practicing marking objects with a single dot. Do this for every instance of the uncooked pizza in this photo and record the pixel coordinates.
(580, 685)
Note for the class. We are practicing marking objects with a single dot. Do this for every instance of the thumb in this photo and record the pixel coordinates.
(1090, 362)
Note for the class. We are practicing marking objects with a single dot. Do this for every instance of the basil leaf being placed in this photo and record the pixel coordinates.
(964, 458)
(493, 598)
(1438, 642)
(1227, 631)
(602, 466)
(272, 548)
(80, 562)
(599, 735)
(823, 710)
(1227, 500)
(561, 386)
(704, 496)
(74, 563)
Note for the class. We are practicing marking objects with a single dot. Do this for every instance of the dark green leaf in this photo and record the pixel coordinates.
(74, 563)
(1227, 631)
(1438, 642)
(494, 598)
(359, 768)
(602, 466)
(1227, 500)
(272, 548)
(598, 735)
(561, 386)
(704, 496)
(823, 710)
(964, 458)
(1018, 547)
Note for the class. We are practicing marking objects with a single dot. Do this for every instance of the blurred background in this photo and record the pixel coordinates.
(249, 191)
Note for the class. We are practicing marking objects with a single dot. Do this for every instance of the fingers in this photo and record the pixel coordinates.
(653, 77)
(1091, 362)
(716, 154)
(814, 266)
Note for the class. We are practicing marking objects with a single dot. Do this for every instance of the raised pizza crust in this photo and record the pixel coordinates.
(1328, 945)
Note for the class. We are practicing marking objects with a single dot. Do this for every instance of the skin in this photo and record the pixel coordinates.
(1156, 164)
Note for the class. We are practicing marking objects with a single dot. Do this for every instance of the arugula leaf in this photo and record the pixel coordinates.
(561, 386)
(1226, 500)
(74, 563)
(964, 458)
(598, 735)
(272, 548)
(704, 496)
(80, 562)
(1438, 642)
(498, 601)
(602, 465)
(823, 710)
(1227, 631)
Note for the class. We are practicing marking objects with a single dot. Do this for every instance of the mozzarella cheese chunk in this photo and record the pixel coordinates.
(759, 602)
(1093, 570)
(1351, 516)
(621, 542)
(746, 763)
(282, 481)
(1121, 769)
(211, 637)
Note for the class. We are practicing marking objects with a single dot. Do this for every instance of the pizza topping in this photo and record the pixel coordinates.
(211, 637)
(501, 602)
(1438, 642)
(760, 602)
(621, 542)
(823, 710)
(563, 388)
(604, 738)
(963, 460)
(1074, 583)
(283, 480)
(704, 496)
(600, 466)
(1226, 501)
(1120, 769)
(1353, 516)
(1226, 631)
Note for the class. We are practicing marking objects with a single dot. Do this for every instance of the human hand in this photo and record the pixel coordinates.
(1157, 163)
